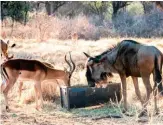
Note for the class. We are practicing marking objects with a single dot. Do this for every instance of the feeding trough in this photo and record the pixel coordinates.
(76, 97)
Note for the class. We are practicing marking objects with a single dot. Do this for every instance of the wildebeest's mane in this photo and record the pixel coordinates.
(104, 53)
(126, 46)
(119, 44)
(116, 46)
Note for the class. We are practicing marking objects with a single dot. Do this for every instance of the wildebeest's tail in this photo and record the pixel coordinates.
(157, 73)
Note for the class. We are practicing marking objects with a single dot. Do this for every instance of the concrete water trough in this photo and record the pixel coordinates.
(76, 97)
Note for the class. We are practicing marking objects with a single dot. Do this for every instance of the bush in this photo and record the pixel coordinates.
(43, 27)
(150, 25)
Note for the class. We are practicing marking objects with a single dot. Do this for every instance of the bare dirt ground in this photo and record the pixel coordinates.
(52, 114)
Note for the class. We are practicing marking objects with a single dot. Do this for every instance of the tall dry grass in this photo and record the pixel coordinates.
(41, 27)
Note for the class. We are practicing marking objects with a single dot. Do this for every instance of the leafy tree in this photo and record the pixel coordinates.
(147, 6)
(26, 9)
(17, 10)
(98, 8)
(117, 5)
(52, 6)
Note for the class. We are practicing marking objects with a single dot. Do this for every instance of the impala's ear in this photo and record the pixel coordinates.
(8, 42)
(86, 55)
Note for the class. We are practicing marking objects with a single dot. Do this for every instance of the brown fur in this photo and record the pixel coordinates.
(31, 98)
(4, 49)
(32, 70)
(50, 91)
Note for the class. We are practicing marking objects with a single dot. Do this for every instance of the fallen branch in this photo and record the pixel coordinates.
(109, 116)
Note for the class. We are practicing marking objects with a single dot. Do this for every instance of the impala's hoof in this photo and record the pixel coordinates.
(7, 109)
(38, 108)
(143, 113)
(157, 112)
(124, 111)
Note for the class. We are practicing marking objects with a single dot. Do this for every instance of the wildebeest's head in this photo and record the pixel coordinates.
(96, 69)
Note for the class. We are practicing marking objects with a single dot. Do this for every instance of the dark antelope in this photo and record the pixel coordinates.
(33, 70)
(129, 58)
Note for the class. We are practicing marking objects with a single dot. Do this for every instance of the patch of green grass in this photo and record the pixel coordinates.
(100, 112)
(107, 110)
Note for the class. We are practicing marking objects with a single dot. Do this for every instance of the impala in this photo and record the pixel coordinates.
(36, 71)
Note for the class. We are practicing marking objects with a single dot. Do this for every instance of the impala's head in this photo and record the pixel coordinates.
(4, 48)
(96, 70)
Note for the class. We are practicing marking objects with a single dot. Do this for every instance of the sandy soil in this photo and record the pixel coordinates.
(53, 114)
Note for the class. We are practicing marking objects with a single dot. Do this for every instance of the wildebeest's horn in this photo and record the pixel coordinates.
(86, 55)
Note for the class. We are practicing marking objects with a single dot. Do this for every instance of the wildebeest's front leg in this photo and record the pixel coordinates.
(124, 90)
(137, 90)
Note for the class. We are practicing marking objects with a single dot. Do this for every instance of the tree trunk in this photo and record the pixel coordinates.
(117, 5)
(25, 20)
(12, 26)
(48, 7)
(147, 6)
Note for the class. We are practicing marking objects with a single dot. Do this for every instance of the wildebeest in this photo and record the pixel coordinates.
(34, 70)
(129, 58)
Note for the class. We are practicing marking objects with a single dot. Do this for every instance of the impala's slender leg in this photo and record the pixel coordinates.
(124, 90)
(6, 90)
(38, 94)
(137, 90)
(3, 86)
(20, 89)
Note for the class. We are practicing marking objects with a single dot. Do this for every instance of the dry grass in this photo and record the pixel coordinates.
(53, 51)
(41, 27)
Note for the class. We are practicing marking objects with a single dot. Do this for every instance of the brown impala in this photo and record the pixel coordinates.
(32, 70)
